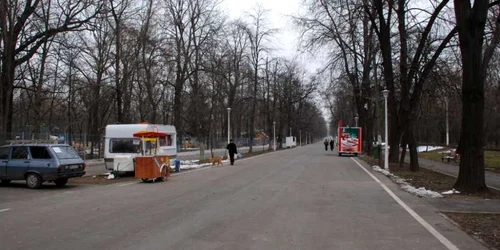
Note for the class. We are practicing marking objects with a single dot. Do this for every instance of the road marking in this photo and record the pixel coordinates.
(126, 184)
(417, 217)
(4, 210)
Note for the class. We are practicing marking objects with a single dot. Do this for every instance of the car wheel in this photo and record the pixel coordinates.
(5, 181)
(61, 182)
(33, 180)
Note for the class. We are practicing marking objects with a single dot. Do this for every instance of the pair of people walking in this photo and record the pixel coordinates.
(331, 142)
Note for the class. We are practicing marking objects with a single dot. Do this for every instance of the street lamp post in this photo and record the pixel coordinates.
(300, 137)
(447, 124)
(385, 92)
(228, 128)
(356, 118)
(274, 136)
(228, 125)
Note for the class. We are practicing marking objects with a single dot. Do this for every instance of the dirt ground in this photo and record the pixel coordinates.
(481, 226)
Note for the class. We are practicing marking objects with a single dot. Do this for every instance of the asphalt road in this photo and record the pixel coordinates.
(302, 198)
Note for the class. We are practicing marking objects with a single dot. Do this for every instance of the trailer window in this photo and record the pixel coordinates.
(129, 145)
(166, 141)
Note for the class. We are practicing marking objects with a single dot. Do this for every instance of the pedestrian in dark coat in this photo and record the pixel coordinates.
(331, 144)
(326, 144)
(231, 147)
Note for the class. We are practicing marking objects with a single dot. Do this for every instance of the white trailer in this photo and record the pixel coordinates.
(290, 141)
(121, 147)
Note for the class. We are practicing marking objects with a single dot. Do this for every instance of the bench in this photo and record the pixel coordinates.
(450, 155)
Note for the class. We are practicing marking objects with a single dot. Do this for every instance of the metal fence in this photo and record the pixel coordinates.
(192, 143)
(91, 146)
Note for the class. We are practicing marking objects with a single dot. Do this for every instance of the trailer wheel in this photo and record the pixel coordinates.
(144, 179)
(340, 154)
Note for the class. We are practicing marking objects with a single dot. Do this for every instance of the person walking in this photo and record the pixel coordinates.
(331, 144)
(326, 144)
(231, 148)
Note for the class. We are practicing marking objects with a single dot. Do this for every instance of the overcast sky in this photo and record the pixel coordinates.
(287, 37)
(278, 17)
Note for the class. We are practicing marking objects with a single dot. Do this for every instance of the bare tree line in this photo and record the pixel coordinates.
(72, 67)
(430, 55)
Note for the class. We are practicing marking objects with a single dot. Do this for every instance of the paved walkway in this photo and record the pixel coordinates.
(492, 178)
(463, 206)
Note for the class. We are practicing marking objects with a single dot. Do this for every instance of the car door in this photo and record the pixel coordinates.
(41, 160)
(4, 159)
(19, 162)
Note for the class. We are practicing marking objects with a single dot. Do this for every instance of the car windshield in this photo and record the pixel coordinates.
(65, 152)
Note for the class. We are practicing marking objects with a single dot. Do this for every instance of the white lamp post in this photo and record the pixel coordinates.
(385, 92)
(228, 125)
(356, 118)
(447, 124)
(274, 136)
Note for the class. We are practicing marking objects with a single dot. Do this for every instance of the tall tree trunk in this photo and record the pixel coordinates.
(119, 91)
(7, 83)
(471, 24)
(384, 36)
(404, 143)
(412, 145)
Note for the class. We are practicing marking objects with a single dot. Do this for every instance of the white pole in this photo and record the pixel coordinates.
(300, 137)
(228, 128)
(356, 118)
(228, 125)
(274, 136)
(447, 124)
(386, 148)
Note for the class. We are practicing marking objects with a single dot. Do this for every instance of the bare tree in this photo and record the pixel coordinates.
(118, 11)
(22, 36)
(344, 28)
(258, 34)
(413, 70)
(471, 21)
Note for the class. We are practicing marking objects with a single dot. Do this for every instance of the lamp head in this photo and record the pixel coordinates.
(385, 92)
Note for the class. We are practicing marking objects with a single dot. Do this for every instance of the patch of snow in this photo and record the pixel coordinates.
(453, 191)
(421, 192)
(427, 148)
(194, 164)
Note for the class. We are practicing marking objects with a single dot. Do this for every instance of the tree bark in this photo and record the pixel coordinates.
(471, 23)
